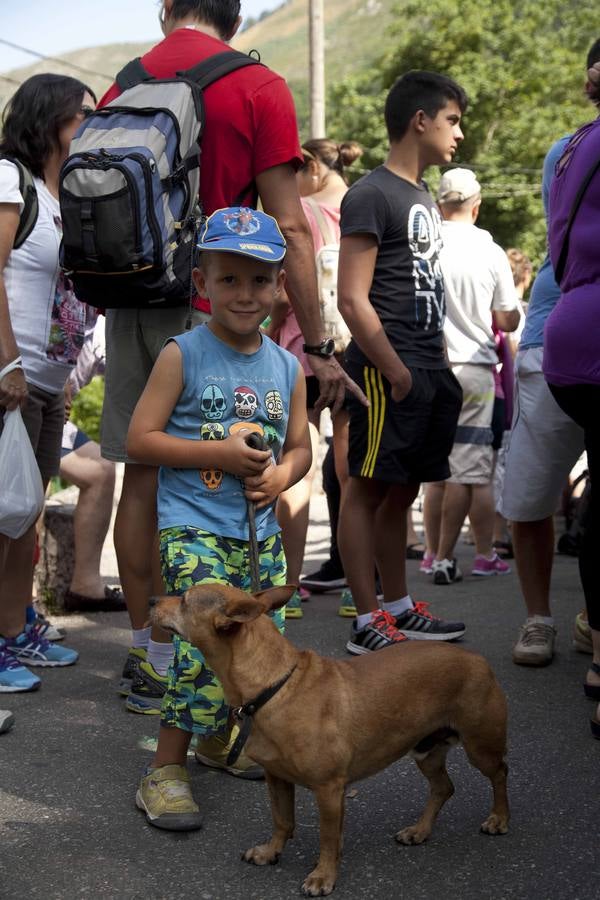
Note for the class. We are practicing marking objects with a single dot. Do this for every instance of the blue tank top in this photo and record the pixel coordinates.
(223, 391)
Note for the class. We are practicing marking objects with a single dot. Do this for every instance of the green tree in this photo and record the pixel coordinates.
(522, 64)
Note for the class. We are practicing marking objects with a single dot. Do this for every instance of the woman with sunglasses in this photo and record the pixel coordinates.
(41, 333)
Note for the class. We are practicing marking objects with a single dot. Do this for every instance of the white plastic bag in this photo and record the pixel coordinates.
(21, 488)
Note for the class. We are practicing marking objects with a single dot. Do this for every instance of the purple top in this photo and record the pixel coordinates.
(572, 333)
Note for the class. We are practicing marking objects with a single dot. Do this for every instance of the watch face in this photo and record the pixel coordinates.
(329, 347)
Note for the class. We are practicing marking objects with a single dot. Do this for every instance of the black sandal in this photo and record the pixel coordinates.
(593, 690)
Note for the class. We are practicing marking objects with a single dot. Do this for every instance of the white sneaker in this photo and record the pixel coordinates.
(7, 720)
(535, 646)
(445, 571)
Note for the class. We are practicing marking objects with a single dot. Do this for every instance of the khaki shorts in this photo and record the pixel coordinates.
(44, 418)
(544, 445)
(134, 338)
(472, 457)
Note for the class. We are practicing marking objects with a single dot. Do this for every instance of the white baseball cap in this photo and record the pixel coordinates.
(458, 185)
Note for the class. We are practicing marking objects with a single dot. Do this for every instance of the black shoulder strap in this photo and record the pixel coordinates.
(133, 73)
(559, 271)
(215, 67)
(29, 213)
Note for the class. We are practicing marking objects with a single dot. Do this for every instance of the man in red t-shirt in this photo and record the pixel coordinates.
(250, 146)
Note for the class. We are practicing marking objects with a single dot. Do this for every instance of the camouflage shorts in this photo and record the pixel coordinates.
(194, 699)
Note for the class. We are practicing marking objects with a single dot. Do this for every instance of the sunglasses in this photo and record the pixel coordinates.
(87, 111)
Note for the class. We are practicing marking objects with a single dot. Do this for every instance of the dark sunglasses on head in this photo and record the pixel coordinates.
(87, 111)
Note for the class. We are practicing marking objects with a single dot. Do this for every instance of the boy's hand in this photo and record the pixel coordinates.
(402, 387)
(239, 459)
(264, 489)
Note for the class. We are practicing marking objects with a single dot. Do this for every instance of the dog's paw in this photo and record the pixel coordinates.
(414, 834)
(261, 855)
(495, 824)
(317, 884)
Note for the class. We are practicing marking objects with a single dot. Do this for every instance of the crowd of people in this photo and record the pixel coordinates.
(415, 362)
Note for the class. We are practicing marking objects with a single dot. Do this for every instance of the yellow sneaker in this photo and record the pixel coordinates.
(214, 750)
(165, 796)
(582, 635)
(347, 609)
(293, 608)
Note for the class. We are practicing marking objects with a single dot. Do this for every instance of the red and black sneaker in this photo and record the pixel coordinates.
(419, 625)
(379, 633)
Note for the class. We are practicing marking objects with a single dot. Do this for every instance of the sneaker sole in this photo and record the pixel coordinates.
(357, 650)
(425, 571)
(420, 636)
(321, 587)
(293, 614)
(481, 574)
(169, 821)
(46, 664)
(531, 661)
(143, 707)
(10, 689)
(440, 578)
(257, 774)
(347, 612)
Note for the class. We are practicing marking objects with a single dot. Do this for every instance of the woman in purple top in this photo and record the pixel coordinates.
(572, 335)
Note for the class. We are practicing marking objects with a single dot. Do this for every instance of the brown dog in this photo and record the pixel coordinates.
(333, 722)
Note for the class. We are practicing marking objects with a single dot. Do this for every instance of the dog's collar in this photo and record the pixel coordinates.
(244, 715)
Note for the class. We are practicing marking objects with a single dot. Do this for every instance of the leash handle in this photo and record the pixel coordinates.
(257, 442)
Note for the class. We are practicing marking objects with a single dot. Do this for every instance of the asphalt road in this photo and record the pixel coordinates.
(68, 773)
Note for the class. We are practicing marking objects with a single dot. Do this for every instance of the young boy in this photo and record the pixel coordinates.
(391, 294)
(209, 389)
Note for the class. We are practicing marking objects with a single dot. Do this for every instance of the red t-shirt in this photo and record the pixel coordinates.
(250, 118)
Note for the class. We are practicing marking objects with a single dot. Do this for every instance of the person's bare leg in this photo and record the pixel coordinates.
(361, 499)
(457, 498)
(481, 515)
(390, 539)
(172, 747)
(533, 545)
(135, 539)
(95, 478)
(16, 582)
(432, 514)
(293, 511)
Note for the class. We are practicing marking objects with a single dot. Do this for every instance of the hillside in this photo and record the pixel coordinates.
(355, 34)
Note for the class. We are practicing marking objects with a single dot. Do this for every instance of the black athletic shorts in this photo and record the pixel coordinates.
(406, 442)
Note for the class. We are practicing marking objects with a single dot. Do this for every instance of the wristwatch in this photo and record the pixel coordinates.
(326, 348)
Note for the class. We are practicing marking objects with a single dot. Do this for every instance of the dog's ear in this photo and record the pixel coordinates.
(243, 608)
(276, 597)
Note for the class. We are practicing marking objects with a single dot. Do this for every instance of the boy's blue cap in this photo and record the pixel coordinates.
(248, 232)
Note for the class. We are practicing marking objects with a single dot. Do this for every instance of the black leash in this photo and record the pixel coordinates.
(243, 715)
(257, 442)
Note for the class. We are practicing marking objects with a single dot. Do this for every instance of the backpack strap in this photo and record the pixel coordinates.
(322, 223)
(217, 66)
(559, 271)
(29, 213)
(133, 73)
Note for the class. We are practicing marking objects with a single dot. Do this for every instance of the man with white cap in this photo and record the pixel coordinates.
(479, 286)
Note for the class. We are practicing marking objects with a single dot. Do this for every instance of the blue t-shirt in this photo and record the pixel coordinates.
(545, 291)
(223, 390)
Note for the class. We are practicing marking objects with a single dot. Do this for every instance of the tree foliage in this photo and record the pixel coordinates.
(522, 64)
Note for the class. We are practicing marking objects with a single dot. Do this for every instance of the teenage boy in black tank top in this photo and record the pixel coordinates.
(391, 294)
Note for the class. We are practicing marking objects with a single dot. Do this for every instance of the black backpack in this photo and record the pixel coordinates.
(129, 189)
(30, 210)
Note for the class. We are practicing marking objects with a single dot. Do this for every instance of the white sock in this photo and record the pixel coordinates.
(160, 656)
(140, 637)
(397, 607)
(363, 620)
(546, 620)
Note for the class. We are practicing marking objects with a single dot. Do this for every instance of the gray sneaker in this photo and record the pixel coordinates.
(535, 646)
